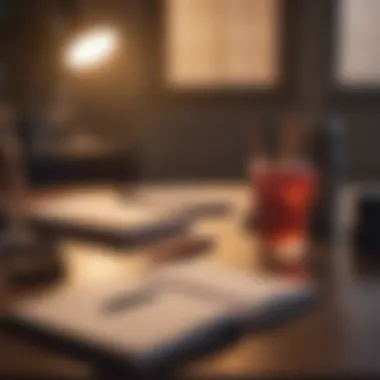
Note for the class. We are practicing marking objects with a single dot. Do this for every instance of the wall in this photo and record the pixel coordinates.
(202, 136)
(363, 136)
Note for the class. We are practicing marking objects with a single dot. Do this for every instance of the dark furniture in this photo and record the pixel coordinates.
(50, 168)
(78, 159)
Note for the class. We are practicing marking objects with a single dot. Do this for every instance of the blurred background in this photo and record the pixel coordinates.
(137, 133)
(139, 98)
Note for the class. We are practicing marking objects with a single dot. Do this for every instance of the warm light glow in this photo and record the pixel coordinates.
(91, 49)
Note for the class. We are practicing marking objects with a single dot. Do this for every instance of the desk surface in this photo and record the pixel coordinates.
(342, 335)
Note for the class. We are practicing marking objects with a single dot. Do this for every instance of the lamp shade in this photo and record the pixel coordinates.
(91, 49)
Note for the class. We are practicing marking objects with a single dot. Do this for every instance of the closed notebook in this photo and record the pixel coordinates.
(107, 210)
(178, 313)
(104, 212)
(106, 217)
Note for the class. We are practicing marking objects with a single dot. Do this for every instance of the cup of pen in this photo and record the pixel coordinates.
(284, 187)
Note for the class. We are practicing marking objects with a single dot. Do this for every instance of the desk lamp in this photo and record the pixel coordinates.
(91, 49)
(31, 258)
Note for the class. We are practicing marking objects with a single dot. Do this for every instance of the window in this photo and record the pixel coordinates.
(222, 43)
(358, 59)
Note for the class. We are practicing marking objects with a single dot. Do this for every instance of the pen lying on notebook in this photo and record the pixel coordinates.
(178, 250)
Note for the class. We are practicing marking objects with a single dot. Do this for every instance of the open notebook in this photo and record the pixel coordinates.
(177, 314)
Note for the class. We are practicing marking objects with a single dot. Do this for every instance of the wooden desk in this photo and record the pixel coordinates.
(340, 336)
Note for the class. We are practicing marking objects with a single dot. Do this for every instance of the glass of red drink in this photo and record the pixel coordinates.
(284, 194)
